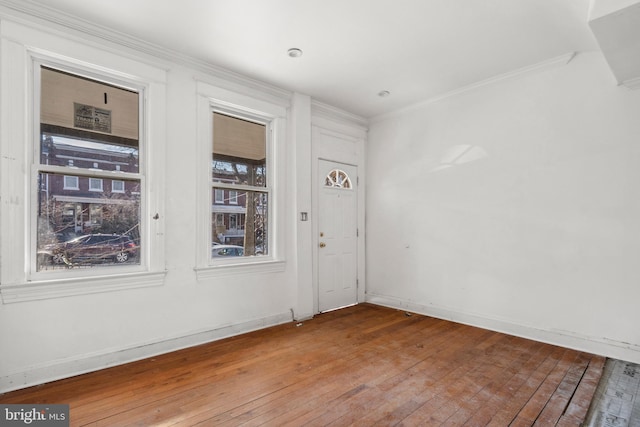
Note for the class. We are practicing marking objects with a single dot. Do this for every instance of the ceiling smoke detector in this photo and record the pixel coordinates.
(294, 52)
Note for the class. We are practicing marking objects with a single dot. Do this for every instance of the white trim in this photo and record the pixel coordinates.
(568, 339)
(72, 286)
(24, 47)
(273, 116)
(77, 68)
(68, 367)
(243, 103)
(57, 22)
(231, 267)
(340, 142)
(320, 109)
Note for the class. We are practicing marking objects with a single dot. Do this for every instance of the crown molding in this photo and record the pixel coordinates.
(25, 11)
(535, 68)
(326, 111)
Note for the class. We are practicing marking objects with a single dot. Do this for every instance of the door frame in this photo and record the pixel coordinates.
(338, 143)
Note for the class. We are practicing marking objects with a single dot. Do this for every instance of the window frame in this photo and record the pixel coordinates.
(218, 191)
(233, 197)
(251, 107)
(22, 51)
(96, 180)
(89, 174)
(233, 222)
(71, 187)
(227, 188)
(119, 191)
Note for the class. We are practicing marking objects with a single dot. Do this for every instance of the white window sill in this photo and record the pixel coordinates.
(47, 289)
(227, 269)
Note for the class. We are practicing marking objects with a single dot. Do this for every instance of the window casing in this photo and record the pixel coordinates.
(23, 51)
(248, 169)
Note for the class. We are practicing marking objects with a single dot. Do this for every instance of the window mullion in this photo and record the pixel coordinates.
(93, 173)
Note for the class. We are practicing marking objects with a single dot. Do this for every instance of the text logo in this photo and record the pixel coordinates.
(34, 415)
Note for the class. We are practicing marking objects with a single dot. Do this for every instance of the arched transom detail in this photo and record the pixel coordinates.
(338, 179)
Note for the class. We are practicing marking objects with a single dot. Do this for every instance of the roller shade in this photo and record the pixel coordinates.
(67, 101)
(237, 138)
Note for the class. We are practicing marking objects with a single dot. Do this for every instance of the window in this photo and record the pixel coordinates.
(95, 184)
(233, 222)
(70, 183)
(117, 186)
(95, 215)
(218, 196)
(86, 124)
(241, 140)
(47, 135)
(338, 179)
(239, 168)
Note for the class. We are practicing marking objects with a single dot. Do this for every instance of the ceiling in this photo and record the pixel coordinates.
(353, 49)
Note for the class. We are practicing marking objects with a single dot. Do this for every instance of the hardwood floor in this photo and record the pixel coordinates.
(363, 365)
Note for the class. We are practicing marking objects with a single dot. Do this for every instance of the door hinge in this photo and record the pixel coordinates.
(357, 232)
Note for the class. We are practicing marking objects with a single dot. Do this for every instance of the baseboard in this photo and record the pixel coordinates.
(88, 363)
(609, 348)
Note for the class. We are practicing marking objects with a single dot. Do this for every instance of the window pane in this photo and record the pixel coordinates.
(239, 151)
(233, 197)
(83, 228)
(218, 196)
(71, 183)
(95, 184)
(117, 186)
(242, 225)
(87, 154)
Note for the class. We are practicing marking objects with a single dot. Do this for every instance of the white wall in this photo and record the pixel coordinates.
(514, 206)
(41, 340)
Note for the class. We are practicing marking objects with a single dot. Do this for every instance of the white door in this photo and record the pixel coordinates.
(337, 235)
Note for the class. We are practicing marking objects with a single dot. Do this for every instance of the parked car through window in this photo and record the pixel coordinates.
(227, 250)
(90, 248)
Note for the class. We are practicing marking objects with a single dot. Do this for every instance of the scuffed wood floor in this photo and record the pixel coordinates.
(363, 365)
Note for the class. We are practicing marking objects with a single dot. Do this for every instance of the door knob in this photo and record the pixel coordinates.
(323, 244)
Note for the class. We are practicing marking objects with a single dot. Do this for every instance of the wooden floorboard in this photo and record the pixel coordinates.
(363, 365)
